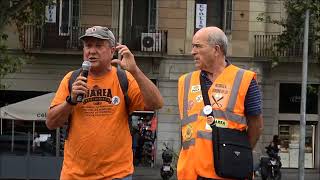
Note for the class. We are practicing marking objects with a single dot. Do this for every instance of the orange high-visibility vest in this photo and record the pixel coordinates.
(227, 96)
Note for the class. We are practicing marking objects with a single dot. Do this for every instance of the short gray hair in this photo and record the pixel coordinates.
(218, 39)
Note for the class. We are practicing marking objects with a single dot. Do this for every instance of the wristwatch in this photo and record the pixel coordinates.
(69, 101)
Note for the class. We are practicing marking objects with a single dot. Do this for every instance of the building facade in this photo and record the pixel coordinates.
(159, 33)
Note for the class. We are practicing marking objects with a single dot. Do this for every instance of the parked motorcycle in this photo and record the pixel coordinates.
(271, 165)
(166, 170)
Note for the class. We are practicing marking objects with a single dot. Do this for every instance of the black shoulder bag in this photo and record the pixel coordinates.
(231, 148)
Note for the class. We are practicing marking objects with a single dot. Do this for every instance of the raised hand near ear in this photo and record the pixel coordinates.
(127, 61)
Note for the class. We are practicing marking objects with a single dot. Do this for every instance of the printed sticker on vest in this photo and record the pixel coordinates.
(208, 127)
(218, 96)
(216, 100)
(221, 123)
(195, 88)
(188, 132)
(220, 88)
(190, 104)
(207, 109)
(199, 98)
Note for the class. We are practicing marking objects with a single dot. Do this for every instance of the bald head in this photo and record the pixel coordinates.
(215, 36)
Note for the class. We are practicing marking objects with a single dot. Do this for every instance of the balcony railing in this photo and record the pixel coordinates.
(46, 37)
(265, 46)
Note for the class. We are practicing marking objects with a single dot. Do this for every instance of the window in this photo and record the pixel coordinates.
(64, 17)
(75, 13)
(152, 14)
(228, 19)
(76, 31)
(217, 13)
(140, 16)
(290, 98)
(289, 134)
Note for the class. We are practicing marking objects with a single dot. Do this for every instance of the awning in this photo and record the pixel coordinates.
(34, 109)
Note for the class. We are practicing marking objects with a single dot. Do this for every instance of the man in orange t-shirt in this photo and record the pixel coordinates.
(99, 141)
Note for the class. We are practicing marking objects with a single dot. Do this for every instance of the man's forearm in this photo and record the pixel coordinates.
(58, 115)
(151, 95)
(255, 127)
(254, 135)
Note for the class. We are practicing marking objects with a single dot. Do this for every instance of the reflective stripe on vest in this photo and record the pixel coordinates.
(235, 90)
(204, 135)
(217, 114)
(187, 119)
(228, 115)
(187, 144)
(200, 134)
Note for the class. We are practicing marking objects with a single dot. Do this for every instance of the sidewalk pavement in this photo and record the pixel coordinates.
(148, 173)
(293, 174)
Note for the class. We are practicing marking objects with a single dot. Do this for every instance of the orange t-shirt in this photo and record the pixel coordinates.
(99, 142)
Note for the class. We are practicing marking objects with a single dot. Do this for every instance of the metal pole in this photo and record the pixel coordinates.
(149, 15)
(120, 24)
(303, 98)
(121, 21)
(58, 142)
(33, 129)
(1, 120)
(12, 135)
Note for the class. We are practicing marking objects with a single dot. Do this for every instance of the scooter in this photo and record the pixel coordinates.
(166, 170)
(271, 165)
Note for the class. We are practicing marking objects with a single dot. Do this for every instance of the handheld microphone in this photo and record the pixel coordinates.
(85, 71)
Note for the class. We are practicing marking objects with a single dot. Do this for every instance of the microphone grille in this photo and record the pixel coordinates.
(86, 65)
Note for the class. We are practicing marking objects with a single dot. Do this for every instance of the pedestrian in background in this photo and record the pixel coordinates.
(36, 142)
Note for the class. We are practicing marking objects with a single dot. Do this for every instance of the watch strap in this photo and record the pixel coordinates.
(69, 101)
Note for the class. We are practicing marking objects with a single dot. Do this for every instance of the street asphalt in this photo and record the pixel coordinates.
(148, 173)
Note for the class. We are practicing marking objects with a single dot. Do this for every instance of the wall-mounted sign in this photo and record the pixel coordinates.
(51, 11)
(201, 15)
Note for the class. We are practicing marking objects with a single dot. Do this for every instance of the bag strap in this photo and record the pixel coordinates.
(205, 96)
(123, 80)
(73, 77)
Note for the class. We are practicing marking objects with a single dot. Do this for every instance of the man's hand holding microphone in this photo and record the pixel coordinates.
(79, 87)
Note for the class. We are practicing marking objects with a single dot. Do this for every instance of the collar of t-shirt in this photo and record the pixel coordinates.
(205, 75)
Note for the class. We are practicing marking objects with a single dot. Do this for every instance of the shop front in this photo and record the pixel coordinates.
(28, 149)
(289, 125)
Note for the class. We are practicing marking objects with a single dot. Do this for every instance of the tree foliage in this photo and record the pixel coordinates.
(18, 13)
(293, 26)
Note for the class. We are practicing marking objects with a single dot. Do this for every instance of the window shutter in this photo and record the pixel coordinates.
(64, 17)
(228, 16)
